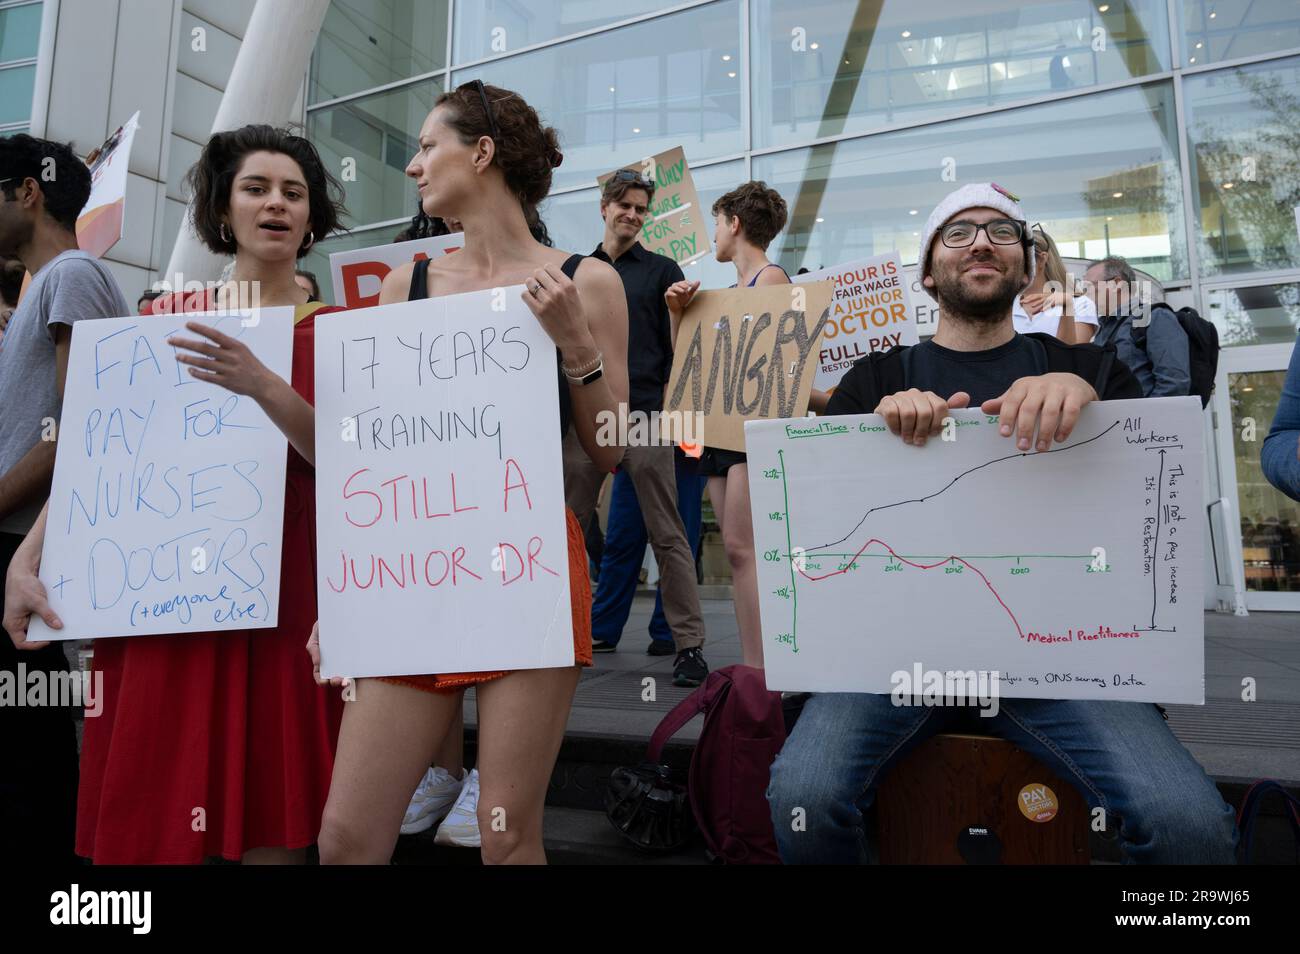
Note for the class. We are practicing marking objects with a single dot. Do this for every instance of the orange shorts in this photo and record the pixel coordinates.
(579, 598)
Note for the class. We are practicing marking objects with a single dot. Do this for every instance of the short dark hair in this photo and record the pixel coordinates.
(211, 178)
(65, 189)
(1115, 267)
(762, 211)
(617, 186)
(311, 277)
(149, 294)
(422, 226)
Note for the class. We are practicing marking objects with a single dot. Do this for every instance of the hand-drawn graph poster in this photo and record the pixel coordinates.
(1072, 574)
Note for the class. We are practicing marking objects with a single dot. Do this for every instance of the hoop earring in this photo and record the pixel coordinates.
(311, 240)
(228, 239)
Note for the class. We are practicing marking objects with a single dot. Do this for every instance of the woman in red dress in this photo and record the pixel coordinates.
(221, 744)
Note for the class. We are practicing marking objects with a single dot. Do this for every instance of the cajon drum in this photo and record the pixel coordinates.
(975, 799)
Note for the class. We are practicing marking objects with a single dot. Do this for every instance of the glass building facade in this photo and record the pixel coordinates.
(1166, 131)
(20, 38)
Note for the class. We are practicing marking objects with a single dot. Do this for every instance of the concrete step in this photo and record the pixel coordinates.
(573, 836)
(578, 784)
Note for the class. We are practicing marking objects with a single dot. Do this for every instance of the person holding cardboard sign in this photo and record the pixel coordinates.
(745, 221)
(653, 495)
(485, 159)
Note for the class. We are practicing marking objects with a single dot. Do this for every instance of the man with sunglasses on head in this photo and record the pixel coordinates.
(650, 476)
(976, 255)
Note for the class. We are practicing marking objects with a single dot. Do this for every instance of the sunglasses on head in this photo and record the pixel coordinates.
(477, 85)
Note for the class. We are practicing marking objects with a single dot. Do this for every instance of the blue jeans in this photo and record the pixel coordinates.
(1120, 755)
(625, 543)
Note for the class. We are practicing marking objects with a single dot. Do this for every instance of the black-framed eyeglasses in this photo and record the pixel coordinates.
(999, 232)
(487, 107)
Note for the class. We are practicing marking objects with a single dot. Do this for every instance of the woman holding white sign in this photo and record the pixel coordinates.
(486, 160)
(220, 743)
(747, 219)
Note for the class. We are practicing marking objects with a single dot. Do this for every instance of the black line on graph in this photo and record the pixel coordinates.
(1055, 450)
(1155, 547)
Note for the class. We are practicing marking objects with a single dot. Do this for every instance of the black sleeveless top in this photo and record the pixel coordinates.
(420, 289)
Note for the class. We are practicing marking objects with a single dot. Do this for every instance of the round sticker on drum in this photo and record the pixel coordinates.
(1038, 802)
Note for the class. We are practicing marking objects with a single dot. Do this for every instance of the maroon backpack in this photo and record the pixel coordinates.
(743, 732)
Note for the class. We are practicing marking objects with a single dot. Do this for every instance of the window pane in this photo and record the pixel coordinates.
(491, 27)
(574, 221)
(1228, 29)
(827, 67)
(1269, 546)
(20, 32)
(16, 87)
(1116, 192)
(635, 91)
(1243, 130)
(379, 134)
(368, 43)
(1267, 314)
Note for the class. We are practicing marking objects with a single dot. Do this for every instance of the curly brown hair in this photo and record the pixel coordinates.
(211, 178)
(527, 152)
(762, 211)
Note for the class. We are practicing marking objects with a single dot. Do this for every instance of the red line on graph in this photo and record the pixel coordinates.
(921, 566)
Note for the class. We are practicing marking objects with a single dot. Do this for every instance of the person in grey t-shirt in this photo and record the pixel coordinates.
(37, 220)
(43, 187)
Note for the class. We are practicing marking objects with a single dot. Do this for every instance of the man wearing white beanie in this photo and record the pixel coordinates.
(976, 255)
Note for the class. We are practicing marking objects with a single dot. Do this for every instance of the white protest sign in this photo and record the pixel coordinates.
(440, 514)
(357, 274)
(877, 557)
(101, 223)
(167, 509)
(871, 311)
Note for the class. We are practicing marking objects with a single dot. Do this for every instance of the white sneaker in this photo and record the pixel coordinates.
(433, 798)
(461, 827)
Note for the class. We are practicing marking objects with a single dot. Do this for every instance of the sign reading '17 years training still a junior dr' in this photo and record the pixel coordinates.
(442, 541)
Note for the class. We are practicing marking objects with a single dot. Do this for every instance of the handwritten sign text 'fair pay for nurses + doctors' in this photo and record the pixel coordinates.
(167, 508)
(439, 489)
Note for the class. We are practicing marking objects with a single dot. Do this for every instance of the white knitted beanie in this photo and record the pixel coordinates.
(981, 195)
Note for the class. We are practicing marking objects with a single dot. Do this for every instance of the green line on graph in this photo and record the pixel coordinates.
(943, 556)
(794, 588)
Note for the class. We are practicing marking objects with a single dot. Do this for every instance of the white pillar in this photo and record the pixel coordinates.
(264, 84)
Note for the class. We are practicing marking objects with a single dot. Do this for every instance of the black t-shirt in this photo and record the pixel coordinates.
(982, 374)
(646, 276)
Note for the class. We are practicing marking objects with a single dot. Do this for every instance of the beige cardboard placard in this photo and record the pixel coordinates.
(676, 226)
(744, 354)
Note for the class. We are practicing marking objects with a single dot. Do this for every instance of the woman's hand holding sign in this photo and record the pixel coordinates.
(678, 298)
(554, 299)
(225, 361)
(231, 364)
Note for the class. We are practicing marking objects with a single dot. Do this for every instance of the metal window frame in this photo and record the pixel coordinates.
(748, 152)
